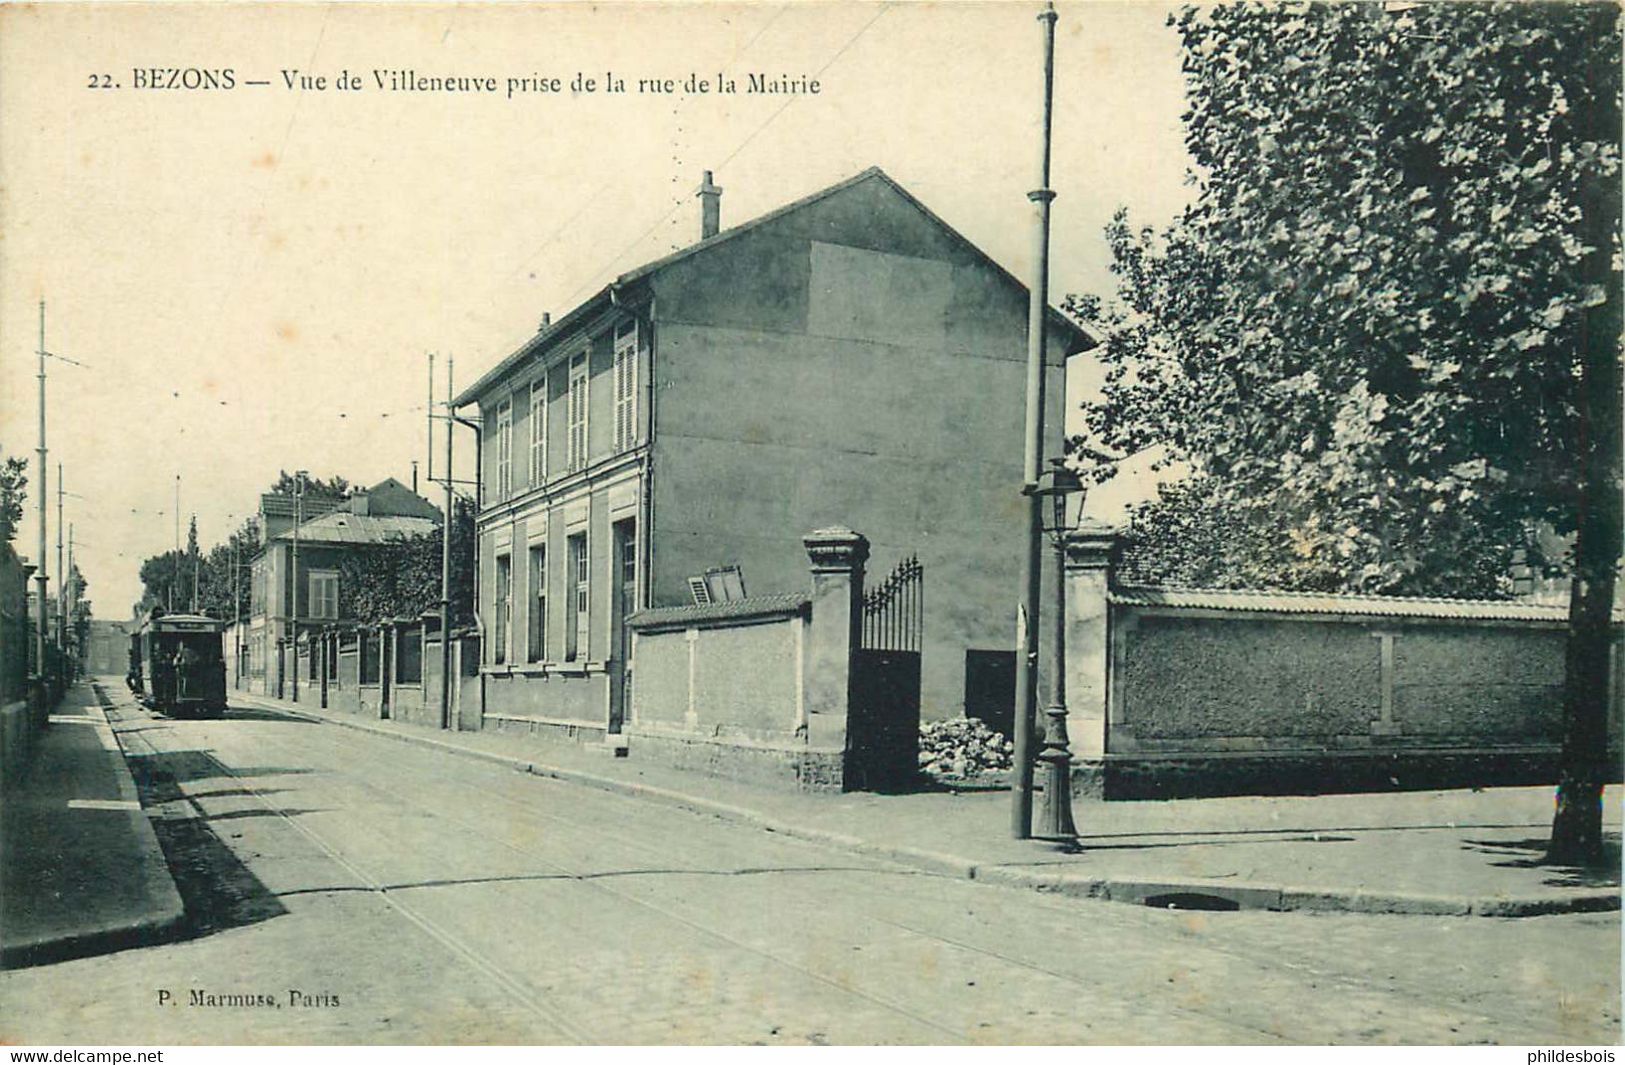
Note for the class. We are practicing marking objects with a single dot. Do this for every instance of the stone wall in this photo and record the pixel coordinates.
(416, 703)
(767, 688)
(1195, 691)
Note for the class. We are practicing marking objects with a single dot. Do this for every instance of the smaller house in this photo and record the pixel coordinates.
(286, 594)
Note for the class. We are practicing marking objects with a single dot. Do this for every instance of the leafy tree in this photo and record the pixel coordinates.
(401, 578)
(334, 487)
(227, 565)
(80, 617)
(165, 582)
(193, 567)
(215, 571)
(13, 495)
(1386, 331)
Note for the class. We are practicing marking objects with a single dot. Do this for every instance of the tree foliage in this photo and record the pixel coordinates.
(1387, 330)
(334, 487)
(1368, 331)
(401, 578)
(215, 572)
(13, 495)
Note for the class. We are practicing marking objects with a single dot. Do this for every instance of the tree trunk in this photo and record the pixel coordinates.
(1587, 765)
(1587, 675)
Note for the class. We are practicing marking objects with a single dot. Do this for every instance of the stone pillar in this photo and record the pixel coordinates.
(1091, 557)
(836, 557)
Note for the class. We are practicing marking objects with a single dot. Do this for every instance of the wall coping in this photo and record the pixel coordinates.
(751, 610)
(1360, 606)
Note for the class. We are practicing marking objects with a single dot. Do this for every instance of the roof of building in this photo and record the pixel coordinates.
(756, 606)
(342, 527)
(1346, 605)
(593, 304)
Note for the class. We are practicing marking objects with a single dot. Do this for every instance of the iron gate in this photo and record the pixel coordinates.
(883, 729)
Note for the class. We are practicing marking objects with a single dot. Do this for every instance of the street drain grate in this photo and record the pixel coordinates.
(1191, 900)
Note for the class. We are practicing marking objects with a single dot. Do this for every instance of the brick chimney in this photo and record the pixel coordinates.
(710, 208)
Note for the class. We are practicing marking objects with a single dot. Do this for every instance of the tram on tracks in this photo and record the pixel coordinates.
(178, 664)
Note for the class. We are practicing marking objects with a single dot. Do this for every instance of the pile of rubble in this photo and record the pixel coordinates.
(962, 748)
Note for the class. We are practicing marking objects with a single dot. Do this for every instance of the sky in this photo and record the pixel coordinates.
(251, 279)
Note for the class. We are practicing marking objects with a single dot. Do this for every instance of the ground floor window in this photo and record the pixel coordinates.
(503, 612)
(536, 646)
(580, 572)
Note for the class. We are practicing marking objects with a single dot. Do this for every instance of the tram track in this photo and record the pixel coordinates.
(1092, 988)
(454, 944)
(441, 803)
(590, 881)
(1260, 960)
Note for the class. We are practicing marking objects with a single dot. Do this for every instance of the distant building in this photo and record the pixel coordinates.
(331, 530)
(107, 648)
(849, 359)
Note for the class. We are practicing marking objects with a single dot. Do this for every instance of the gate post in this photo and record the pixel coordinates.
(836, 557)
(1091, 557)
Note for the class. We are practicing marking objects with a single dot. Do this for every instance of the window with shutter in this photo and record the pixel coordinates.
(577, 631)
(504, 449)
(578, 412)
(626, 373)
(538, 432)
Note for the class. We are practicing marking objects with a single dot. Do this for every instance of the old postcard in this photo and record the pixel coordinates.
(809, 523)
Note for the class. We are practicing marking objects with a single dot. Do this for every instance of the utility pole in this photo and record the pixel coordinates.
(236, 616)
(445, 571)
(40, 577)
(293, 612)
(72, 608)
(429, 411)
(177, 577)
(1021, 808)
(61, 571)
(197, 557)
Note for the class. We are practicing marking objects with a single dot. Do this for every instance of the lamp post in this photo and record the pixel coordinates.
(1056, 484)
(293, 612)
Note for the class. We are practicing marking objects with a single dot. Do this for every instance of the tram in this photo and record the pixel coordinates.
(178, 665)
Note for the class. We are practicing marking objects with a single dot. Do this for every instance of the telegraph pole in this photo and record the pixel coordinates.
(429, 419)
(1021, 809)
(40, 577)
(176, 579)
(293, 614)
(61, 571)
(71, 586)
(236, 616)
(445, 571)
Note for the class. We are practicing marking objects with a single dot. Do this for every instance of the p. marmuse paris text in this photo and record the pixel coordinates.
(293, 998)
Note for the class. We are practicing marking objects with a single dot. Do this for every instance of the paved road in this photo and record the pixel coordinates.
(372, 891)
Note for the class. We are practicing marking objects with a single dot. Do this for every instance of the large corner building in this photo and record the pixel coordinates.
(846, 360)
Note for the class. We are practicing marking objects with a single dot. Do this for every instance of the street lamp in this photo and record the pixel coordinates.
(1056, 484)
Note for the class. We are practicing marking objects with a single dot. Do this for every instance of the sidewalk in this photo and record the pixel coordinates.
(82, 870)
(1444, 852)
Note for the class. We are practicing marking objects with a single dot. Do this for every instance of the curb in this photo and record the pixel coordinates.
(1159, 892)
(163, 918)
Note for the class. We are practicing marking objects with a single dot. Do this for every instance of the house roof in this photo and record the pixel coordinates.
(342, 527)
(597, 302)
(1345, 605)
(781, 604)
